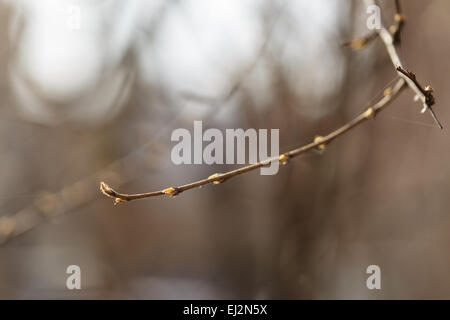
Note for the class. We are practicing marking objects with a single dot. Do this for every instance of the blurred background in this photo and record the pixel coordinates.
(91, 91)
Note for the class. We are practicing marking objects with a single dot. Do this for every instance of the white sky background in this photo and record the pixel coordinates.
(200, 46)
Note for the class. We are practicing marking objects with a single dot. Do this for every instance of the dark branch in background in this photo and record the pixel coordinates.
(390, 38)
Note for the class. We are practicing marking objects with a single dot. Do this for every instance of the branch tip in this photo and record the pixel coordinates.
(107, 190)
(119, 200)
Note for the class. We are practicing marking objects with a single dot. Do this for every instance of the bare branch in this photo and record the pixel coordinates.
(399, 22)
(318, 143)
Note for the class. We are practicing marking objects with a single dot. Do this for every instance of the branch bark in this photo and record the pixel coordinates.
(318, 143)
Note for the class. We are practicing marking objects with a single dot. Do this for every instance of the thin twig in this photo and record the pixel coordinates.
(389, 42)
(406, 78)
(318, 143)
